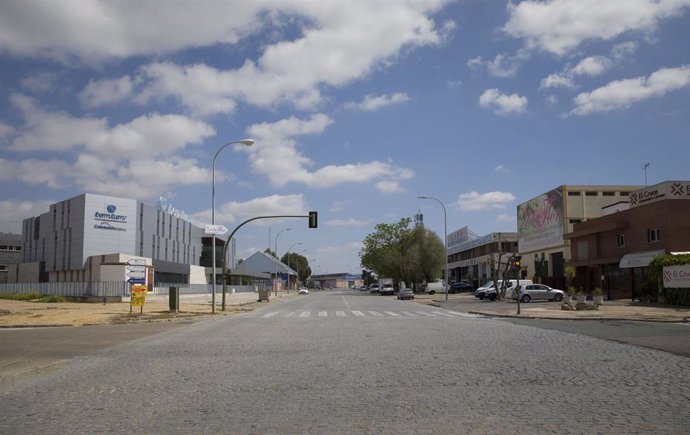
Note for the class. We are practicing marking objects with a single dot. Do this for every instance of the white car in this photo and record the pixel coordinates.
(303, 291)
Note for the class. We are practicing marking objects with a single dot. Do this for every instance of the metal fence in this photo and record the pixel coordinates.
(113, 289)
(98, 289)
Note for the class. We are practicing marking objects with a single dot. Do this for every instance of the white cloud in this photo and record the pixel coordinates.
(502, 104)
(503, 65)
(350, 246)
(624, 49)
(475, 201)
(15, 210)
(338, 206)
(557, 80)
(146, 136)
(623, 93)
(51, 173)
(6, 130)
(375, 102)
(233, 212)
(560, 26)
(592, 66)
(352, 222)
(106, 91)
(40, 82)
(506, 218)
(389, 186)
(275, 155)
(502, 169)
(454, 83)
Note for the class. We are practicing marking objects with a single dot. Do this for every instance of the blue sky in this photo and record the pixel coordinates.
(357, 107)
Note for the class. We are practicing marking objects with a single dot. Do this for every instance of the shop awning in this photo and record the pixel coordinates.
(639, 259)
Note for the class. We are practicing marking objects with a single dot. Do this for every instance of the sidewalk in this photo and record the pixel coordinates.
(610, 310)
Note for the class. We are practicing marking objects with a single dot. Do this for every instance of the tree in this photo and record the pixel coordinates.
(299, 263)
(269, 251)
(402, 253)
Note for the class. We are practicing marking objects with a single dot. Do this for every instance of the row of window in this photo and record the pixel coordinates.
(653, 235)
(10, 248)
(605, 193)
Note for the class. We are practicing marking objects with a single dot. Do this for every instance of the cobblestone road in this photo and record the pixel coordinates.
(439, 372)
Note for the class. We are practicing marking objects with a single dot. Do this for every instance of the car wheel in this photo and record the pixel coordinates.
(525, 298)
(558, 298)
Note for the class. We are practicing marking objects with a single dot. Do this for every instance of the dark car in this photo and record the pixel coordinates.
(406, 293)
(458, 287)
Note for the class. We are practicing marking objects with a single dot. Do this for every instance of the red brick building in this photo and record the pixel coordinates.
(614, 251)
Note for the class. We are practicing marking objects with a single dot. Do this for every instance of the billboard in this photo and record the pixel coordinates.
(540, 222)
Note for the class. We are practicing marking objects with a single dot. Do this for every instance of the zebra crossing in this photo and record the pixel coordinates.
(301, 314)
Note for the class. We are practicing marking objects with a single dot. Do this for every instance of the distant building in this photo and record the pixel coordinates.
(81, 237)
(338, 280)
(542, 221)
(261, 264)
(10, 253)
(613, 252)
(468, 254)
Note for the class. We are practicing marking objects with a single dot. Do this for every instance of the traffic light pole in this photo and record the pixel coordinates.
(313, 222)
(517, 266)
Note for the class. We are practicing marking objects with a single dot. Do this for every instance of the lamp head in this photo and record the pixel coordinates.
(423, 197)
(248, 142)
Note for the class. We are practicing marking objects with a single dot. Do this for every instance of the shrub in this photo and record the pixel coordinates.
(18, 296)
(598, 292)
(571, 291)
(677, 296)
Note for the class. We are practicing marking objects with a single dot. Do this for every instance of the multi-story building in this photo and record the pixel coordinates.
(10, 253)
(613, 252)
(76, 237)
(468, 254)
(542, 221)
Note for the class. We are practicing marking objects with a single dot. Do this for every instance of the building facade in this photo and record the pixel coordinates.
(542, 221)
(468, 254)
(10, 253)
(613, 252)
(66, 242)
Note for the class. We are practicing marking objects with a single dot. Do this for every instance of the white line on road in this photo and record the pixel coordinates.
(266, 316)
(340, 313)
(407, 313)
(375, 313)
(463, 314)
(323, 313)
(390, 313)
(290, 314)
(425, 313)
(358, 313)
(442, 313)
(304, 314)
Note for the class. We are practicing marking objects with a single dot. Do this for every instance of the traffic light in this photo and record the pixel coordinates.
(516, 261)
(313, 219)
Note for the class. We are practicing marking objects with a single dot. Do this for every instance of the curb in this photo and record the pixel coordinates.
(627, 319)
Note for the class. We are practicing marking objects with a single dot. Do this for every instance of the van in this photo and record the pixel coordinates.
(433, 287)
(491, 293)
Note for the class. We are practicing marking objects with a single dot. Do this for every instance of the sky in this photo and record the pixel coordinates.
(357, 108)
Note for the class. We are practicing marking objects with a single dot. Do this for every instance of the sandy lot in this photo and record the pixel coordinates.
(19, 313)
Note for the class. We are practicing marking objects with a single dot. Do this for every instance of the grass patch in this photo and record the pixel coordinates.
(32, 297)
(20, 296)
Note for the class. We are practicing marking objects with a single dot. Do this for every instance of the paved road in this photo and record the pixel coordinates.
(278, 369)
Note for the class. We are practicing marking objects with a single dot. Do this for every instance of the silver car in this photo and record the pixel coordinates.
(534, 292)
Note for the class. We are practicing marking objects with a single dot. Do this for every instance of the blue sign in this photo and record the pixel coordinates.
(136, 281)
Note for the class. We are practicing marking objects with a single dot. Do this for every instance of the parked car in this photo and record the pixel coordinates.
(534, 292)
(406, 293)
(363, 288)
(458, 287)
(387, 289)
(303, 291)
(492, 293)
(481, 291)
(374, 288)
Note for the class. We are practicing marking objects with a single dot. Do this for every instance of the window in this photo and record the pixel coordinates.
(624, 193)
(621, 240)
(609, 193)
(575, 221)
(653, 235)
(574, 193)
(592, 193)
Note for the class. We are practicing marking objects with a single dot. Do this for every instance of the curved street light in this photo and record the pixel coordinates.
(247, 142)
(445, 237)
(288, 259)
(275, 293)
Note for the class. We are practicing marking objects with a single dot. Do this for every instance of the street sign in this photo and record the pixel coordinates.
(218, 230)
(136, 281)
(136, 275)
(141, 269)
(136, 262)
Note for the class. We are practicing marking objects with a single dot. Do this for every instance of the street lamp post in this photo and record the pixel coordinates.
(275, 292)
(247, 142)
(288, 259)
(445, 238)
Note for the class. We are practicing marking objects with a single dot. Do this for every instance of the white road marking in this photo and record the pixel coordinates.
(442, 313)
(390, 313)
(424, 313)
(407, 313)
(266, 316)
(290, 314)
(304, 314)
(323, 313)
(358, 313)
(340, 313)
(463, 314)
(375, 314)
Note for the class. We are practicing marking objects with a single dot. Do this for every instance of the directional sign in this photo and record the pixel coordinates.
(218, 230)
(137, 262)
(136, 281)
(141, 269)
(136, 275)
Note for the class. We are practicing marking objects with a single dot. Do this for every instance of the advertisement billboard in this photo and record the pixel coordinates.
(540, 222)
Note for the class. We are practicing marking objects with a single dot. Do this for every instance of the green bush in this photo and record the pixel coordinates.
(677, 296)
(52, 298)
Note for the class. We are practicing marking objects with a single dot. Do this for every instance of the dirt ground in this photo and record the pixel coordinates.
(19, 313)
